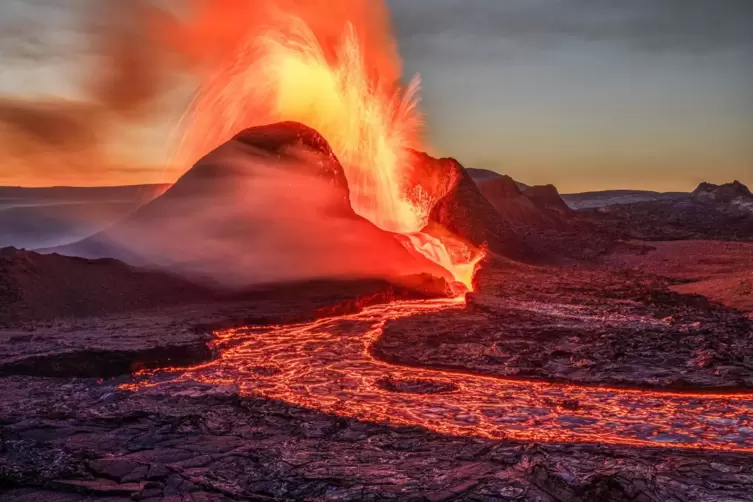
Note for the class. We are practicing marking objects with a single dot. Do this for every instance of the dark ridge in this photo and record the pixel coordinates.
(547, 196)
(466, 213)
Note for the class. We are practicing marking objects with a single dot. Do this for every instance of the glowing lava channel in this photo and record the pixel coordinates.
(331, 66)
(328, 365)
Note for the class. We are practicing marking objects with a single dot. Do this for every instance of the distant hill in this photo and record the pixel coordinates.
(590, 200)
(52, 216)
(735, 193)
(11, 196)
(718, 212)
(533, 207)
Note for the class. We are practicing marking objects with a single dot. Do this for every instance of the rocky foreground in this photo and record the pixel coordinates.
(122, 383)
(74, 429)
(83, 440)
(588, 325)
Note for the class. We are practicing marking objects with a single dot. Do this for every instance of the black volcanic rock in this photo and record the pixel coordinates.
(550, 230)
(533, 224)
(272, 204)
(481, 174)
(500, 187)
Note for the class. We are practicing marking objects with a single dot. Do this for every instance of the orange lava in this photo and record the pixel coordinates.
(327, 365)
(333, 66)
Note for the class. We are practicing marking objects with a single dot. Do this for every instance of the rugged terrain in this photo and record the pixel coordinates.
(583, 325)
(594, 361)
(716, 212)
(75, 427)
(89, 441)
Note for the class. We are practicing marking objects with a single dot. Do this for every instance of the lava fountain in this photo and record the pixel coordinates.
(333, 66)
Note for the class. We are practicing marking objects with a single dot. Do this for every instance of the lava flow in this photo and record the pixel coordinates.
(333, 66)
(327, 365)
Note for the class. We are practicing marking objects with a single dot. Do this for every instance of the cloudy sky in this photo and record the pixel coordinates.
(585, 94)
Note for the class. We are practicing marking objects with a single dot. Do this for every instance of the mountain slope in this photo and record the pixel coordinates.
(271, 204)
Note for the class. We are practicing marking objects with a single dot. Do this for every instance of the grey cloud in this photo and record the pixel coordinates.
(652, 25)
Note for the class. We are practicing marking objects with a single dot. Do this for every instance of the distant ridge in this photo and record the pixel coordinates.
(723, 212)
(82, 194)
(39, 217)
(603, 198)
(482, 175)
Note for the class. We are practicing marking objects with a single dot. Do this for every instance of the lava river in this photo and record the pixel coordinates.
(327, 365)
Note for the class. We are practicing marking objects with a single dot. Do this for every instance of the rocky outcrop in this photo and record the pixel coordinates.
(547, 197)
(482, 175)
(532, 208)
(465, 212)
(722, 193)
(529, 224)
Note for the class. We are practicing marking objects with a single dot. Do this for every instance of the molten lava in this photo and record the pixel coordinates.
(329, 365)
(333, 66)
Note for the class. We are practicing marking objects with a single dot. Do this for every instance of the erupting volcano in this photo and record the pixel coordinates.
(332, 66)
(298, 311)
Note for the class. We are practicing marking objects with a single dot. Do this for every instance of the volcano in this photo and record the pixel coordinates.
(271, 204)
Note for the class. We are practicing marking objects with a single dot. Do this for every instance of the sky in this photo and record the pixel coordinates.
(584, 94)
